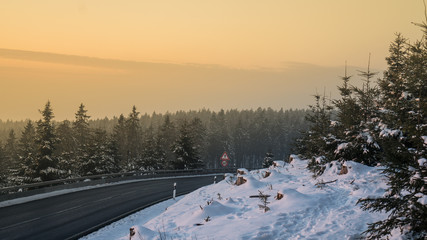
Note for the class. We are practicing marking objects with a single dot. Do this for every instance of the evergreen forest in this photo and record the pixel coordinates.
(47, 149)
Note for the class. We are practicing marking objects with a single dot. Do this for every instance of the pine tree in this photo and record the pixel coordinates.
(316, 143)
(240, 140)
(367, 95)
(268, 160)
(27, 151)
(112, 150)
(198, 134)
(46, 163)
(403, 141)
(151, 155)
(392, 85)
(3, 166)
(348, 111)
(100, 157)
(81, 126)
(185, 148)
(166, 137)
(82, 135)
(134, 140)
(219, 139)
(12, 158)
(346, 126)
(363, 142)
(119, 140)
(261, 135)
(66, 150)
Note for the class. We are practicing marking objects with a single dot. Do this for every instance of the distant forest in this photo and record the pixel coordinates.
(47, 149)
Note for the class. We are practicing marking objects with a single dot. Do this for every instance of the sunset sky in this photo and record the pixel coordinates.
(191, 54)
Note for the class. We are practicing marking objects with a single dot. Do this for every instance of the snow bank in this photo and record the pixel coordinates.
(303, 211)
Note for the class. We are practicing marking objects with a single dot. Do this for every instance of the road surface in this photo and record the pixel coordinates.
(73, 215)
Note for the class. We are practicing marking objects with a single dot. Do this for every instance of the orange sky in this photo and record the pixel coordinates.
(191, 54)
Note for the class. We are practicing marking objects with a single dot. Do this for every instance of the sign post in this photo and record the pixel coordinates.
(224, 159)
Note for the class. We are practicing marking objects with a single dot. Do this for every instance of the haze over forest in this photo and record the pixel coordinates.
(174, 56)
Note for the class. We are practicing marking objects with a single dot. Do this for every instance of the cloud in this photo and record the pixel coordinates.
(110, 87)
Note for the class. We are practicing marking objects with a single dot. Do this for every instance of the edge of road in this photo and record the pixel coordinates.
(39, 196)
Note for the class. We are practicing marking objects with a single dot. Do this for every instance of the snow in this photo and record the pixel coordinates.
(243, 171)
(298, 207)
(341, 147)
(404, 95)
(116, 230)
(279, 163)
(422, 162)
(387, 132)
(319, 159)
(422, 199)
(334, 123)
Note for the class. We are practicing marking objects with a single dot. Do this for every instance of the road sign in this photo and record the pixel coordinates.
(225, 157)
(224, 163)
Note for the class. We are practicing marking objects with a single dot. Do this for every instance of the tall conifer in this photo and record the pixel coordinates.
(403, 132)
(46, 163)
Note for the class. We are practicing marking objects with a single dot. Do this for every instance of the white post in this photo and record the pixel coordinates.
(131, 233)
(215, 180)
(174, 190)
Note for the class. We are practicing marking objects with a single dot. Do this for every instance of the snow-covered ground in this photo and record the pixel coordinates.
(307, 209)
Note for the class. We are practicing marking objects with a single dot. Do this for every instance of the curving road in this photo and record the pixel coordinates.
(73, 215)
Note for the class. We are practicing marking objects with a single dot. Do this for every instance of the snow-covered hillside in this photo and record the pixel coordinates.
(307, 209)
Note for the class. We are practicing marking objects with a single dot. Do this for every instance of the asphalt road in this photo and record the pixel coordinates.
(70, 215)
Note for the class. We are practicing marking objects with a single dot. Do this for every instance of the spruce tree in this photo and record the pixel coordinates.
(262, 134)
(363, 137)
(66, 149)
(27, 151)
(198, 134)
(240, 141)
(82, 135)
(218, 137)
(3, 166)
(46, 163)
(348, 111)
(185, 148)
(316, 143)
(100, 156)
(11, 150)
(404, 142)
(268, 160)
(81, 126)
(134, 140)
(346, 126)
(119, 140)
(368, 94)
(166, 137)
(151, 155)
(392, 85)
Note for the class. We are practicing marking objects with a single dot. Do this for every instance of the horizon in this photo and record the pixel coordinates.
(143, 114)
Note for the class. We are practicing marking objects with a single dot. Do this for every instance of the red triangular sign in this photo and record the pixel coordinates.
(225, 157)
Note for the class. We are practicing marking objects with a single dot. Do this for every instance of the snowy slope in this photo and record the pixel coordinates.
(308, 210)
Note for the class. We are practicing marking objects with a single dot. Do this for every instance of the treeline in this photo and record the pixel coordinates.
(46, 150)
(380, 124)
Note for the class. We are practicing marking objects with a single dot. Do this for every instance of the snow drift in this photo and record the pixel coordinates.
(308, 208)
